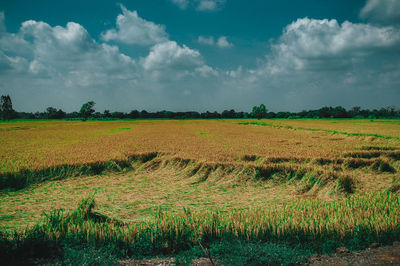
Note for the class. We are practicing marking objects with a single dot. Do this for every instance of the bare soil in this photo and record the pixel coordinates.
(163, 262)
(375, 255)
(387, 255)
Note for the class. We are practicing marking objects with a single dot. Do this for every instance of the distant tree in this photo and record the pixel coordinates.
(144, 114)
(6, 108)
(51, 113)
(74, 115)
(107, 114)
(283, 115)
(355, 111)
(228, 114)
(259, 111)
(391, 111)
(241, 115)
(118, 115)
(339, 112)
(87, 110)
(97, 115)
(134, 114)
(61, 114)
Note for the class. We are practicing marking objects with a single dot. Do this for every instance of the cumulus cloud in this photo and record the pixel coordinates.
(171, 55)
(313, 63)
(59, 64)
(132, 29)
(182, 4)
(210, 5)
(200, 5)
(206, 40)
(326, 44)
(222, 42)
(43, 66)
(322, 62)
(382, 11)
(70, 50)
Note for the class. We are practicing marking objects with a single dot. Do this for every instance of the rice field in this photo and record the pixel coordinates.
(36, 145)
(175, 183)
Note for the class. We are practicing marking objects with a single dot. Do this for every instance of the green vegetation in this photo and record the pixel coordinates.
(6, 110)
(258, 112)
(269, 194)
(87, 110)
(317, 129)
(320, 226)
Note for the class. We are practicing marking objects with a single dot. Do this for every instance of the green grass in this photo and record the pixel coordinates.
(320, 226)
(320, 130)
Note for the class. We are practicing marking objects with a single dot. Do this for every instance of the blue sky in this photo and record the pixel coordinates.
(200, 54)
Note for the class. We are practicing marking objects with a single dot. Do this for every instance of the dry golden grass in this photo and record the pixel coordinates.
(37, 145)
(201, 165)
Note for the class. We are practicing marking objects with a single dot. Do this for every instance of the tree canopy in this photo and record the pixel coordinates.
(87, 110)
(259, 112)
(6, 108)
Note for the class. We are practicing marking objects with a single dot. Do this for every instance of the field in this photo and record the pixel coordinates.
(171, 184)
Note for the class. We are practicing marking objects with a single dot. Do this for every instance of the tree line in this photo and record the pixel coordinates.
(87, 111)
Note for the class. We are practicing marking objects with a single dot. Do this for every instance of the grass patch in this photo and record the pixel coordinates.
(26, 177)
(257, 237)
(356, 134)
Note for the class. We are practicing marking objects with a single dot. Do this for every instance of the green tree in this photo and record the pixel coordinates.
(87, 110)
(259, 111)
(6, 109)
(51, 112)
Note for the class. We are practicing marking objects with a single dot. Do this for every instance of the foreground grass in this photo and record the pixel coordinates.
(354, 223)
(172, 184)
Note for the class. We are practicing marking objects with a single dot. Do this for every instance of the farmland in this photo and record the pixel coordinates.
(180, 182)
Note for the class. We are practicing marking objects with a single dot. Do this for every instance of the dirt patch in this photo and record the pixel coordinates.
(388, 255)
(164, 262)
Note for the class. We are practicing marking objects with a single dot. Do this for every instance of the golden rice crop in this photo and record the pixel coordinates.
(38, 145)
(182, 181)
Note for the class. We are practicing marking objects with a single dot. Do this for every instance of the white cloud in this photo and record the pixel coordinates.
(61, 64)
(70, 49)
(182, 4)
(43, 66)
(206, 71)
(170, 55)
(325, 44)
(313, 63)
(200, 5)
(223, 42)
(206, 40)
(207, 5)
(322, 62)
(132, 29)
(382, 11)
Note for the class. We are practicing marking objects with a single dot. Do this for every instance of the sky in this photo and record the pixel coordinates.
(198, 55)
